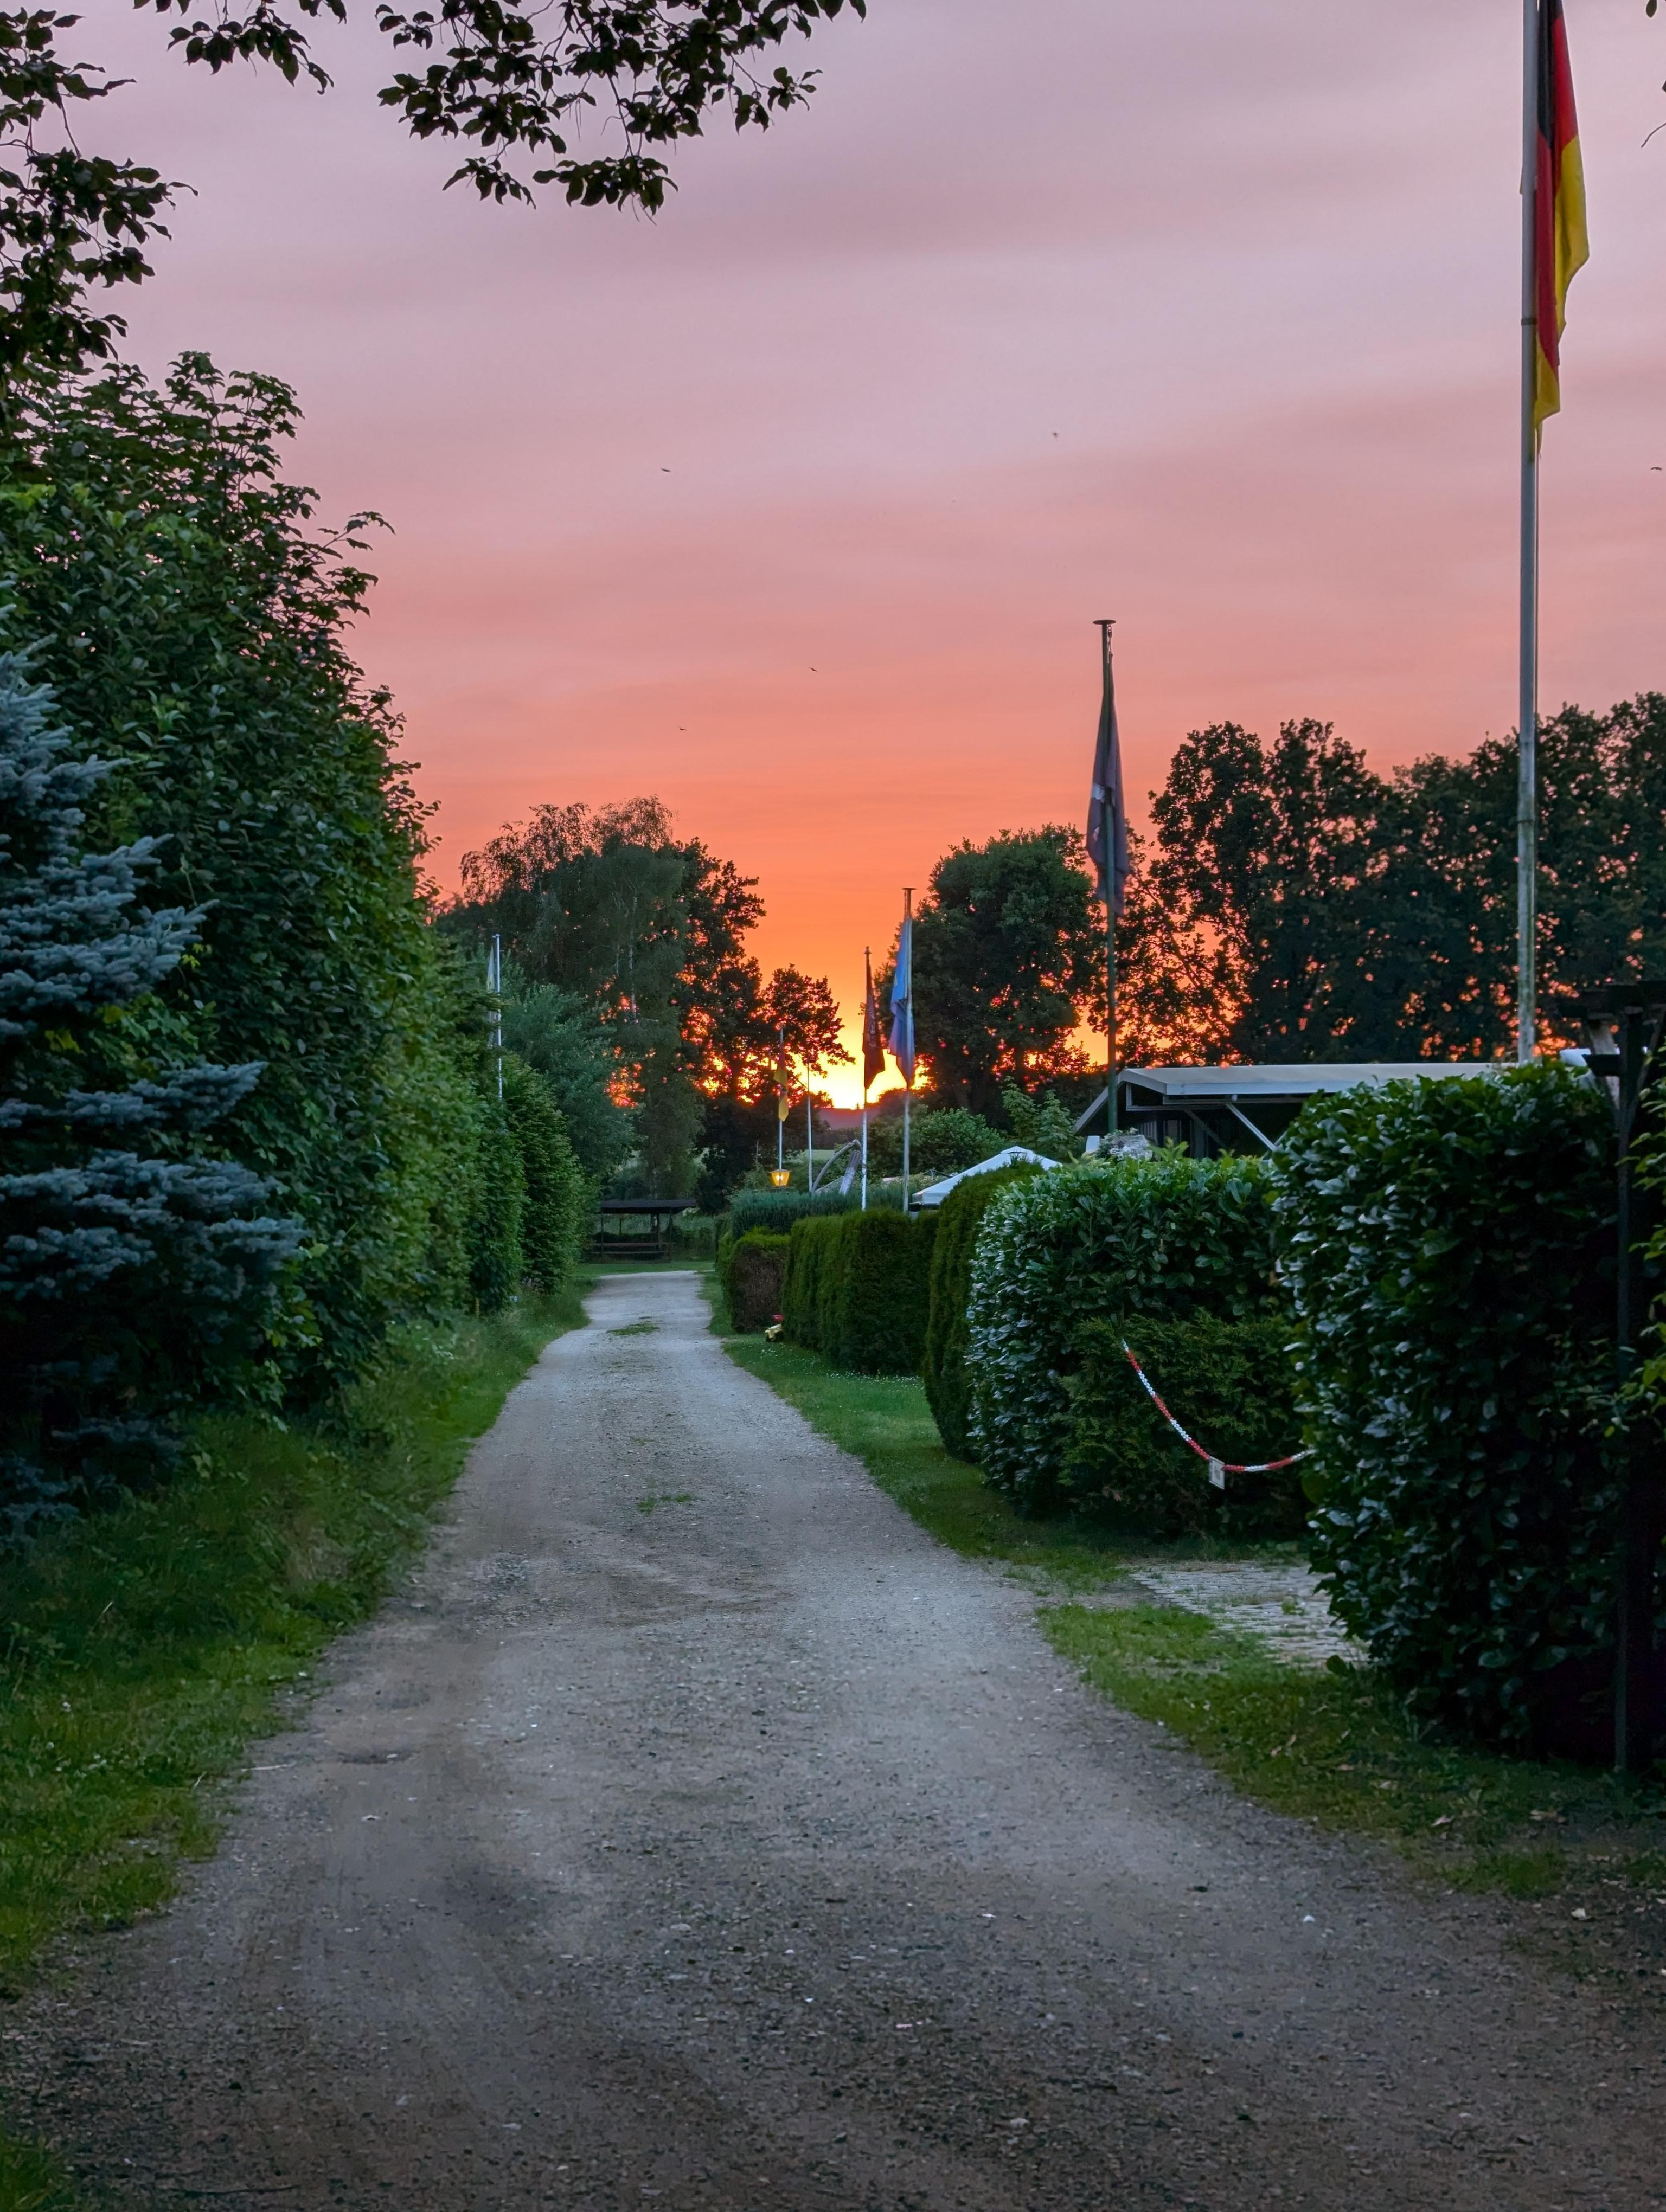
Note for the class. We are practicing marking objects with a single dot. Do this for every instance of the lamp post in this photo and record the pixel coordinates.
(1623, 1023)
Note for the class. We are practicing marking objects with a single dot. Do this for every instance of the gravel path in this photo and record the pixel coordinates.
(694, 1832)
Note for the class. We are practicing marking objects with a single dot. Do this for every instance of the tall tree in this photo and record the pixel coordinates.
(1008, 963)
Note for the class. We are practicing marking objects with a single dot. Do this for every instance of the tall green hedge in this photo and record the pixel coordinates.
(497, 1260)
(858, 1290)
(1231, 1384)
(556, 1207)
(1164, 1236)
(1448, 1245)
(777, 1210)
(944, 1362)
(752, 1268)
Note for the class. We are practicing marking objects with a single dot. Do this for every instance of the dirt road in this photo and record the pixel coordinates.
(696, 1833)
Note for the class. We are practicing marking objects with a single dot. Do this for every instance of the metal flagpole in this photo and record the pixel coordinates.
(1526, 799)
(495, 985)
(780, 1100)
(1106, 624)
(908, 1080)
(809, 1143)
(867, 1002)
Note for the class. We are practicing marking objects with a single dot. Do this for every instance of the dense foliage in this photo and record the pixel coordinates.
(137, 1268)
(1164, 1234)
(641, 937)
(555, 1206)
(1008, 961)
(777, 1210)
(1232, 1384)
(753, 1267)
(190, 620)
(1297, 905)
(943, 1358)
(1448, 1248)
(858, 1290)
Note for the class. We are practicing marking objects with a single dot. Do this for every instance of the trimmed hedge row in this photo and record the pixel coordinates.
(1232, 1385)
(858, 1290)
(752, 1269)
(1448, 1248)
(1165, 1237)
(948, 1390)
(777, 1210)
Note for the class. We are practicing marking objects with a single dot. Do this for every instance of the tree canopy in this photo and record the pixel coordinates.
(1008, 963)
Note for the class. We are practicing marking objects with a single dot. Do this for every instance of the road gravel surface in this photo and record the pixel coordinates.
(694, 1831)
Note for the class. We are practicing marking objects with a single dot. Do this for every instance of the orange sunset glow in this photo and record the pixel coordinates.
(795, 506)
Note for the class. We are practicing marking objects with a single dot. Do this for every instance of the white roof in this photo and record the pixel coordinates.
(936, 1193)
(1294, 1079)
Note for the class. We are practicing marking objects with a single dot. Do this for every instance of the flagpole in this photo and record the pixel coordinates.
(1526, 795)
(1104, 626)
(908, 1080)
(868, 1015)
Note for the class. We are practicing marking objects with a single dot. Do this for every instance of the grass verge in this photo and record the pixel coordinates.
(1330, 1745)
(884, 1420)
(142, 1648)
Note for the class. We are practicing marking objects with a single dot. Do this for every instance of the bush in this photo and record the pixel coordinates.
(1447, 1245)
(1231, 1384)
(556, 1207)
(752, 1272)
(944, 1360)
(942, 1140)
(1161, 1236)
(860, 1288)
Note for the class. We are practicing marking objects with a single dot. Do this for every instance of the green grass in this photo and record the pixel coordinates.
(1333, 1745)
(1330, 1745)
(143, 1648)
(636, 1328)
(884, 1420)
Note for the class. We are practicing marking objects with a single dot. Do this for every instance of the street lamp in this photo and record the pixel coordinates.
(1623, 1022)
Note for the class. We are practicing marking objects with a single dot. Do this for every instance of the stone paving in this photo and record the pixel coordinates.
(1282, 1603)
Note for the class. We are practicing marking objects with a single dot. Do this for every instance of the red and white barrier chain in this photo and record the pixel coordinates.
(1218, 1468)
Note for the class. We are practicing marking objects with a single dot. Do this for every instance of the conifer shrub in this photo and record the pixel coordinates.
(1447, 1246)
(942, 1364)
(804, 1285)
(753, 1272)
(1232, 1384)
(1162, 1235)
(140, 1272)
(860, 1290)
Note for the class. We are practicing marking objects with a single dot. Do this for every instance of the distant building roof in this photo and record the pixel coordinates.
(936, 1193)
(1290, 1079)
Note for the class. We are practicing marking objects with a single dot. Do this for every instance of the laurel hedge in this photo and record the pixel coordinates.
(1231, 1384)
(944, 1363)
(1161, 1236)
(1448, 1245)
(858, 1289)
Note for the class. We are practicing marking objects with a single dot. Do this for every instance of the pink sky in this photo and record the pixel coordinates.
(795, 506)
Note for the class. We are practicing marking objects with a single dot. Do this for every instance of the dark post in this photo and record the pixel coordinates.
(1623, 1022)
(1104, 626)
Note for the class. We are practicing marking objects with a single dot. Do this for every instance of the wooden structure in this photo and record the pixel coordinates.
(634, 1228)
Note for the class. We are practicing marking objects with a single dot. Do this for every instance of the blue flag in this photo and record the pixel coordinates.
(902, 998)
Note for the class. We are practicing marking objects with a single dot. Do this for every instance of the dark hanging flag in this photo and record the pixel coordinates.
(1107, 819)
(1560, 246)
(874, 1044)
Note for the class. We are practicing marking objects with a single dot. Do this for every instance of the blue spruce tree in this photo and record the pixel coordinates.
(137, 1270)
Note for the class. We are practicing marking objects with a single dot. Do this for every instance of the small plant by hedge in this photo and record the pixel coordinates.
(1448, 1248)
(944, 1362)
(1231, 1384)
(753, 1268)
(1165, 1236)
(858, 1290)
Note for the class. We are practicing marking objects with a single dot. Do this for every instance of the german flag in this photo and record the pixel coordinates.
(1560, 246)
